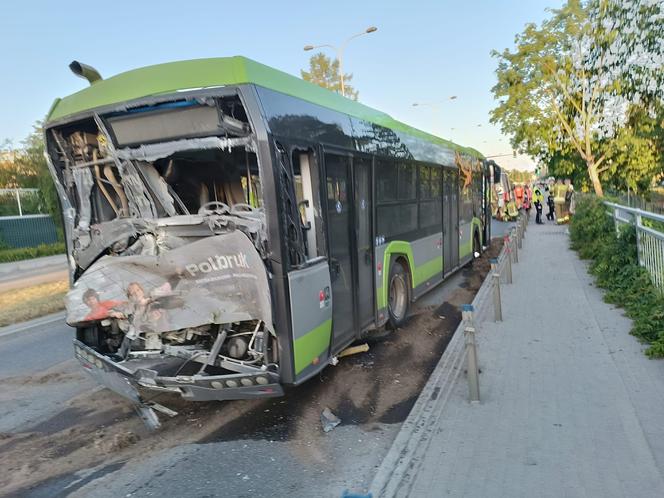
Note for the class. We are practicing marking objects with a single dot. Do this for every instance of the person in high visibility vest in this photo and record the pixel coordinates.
(559, 191)
(527, 198)
(538, 199)
(501, 202)
(512, 211)
(518, 193)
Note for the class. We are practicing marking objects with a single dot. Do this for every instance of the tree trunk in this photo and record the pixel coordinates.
(594, 177)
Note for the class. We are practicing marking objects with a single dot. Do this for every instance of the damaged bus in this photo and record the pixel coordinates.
(231, 228)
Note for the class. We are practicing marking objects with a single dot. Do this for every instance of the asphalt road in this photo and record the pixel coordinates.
(37, 374)
(275, 448)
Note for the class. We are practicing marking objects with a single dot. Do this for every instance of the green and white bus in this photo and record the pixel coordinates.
(231, 228)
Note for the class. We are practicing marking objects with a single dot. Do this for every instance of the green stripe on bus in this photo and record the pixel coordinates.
(421, 274)
(427, 270)
(311, 345)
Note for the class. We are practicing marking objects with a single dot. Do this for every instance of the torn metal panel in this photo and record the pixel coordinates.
(219, 279)
(140, 203)
(112, 235)
(84, 182)
(152, 152)
(159, 187)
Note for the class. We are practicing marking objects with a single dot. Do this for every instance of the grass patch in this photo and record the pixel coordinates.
(8, 255)
(24, 304)
(615, 266)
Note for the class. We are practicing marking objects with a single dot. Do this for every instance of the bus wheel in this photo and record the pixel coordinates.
(398, 298)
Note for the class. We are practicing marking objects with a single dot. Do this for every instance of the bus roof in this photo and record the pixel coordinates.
(170, 77)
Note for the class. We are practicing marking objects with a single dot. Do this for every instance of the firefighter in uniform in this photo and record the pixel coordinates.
(559, 191)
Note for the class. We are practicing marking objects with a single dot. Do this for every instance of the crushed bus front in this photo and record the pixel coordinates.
(167, 245)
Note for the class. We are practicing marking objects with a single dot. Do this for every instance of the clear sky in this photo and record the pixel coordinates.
(424, 51)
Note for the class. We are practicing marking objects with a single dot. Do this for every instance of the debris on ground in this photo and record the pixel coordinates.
(362, 348)
(329, 420)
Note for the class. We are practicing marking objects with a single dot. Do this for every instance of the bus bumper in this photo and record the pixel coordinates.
(128, 378)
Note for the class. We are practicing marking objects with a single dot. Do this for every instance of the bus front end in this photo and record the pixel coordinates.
(167, 245)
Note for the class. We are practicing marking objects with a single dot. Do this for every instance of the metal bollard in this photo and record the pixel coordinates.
(497, 307)
(515, 250)
(471, 354)
(520, 234)
(525, 224)
(508, 250)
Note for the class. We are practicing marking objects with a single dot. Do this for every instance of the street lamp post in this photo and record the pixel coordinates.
(340, 53)
(435, 105)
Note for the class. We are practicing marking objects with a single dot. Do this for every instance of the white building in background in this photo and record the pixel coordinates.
(7, 156)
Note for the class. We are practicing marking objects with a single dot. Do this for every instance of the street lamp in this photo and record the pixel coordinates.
(340, 52)
(435, 105)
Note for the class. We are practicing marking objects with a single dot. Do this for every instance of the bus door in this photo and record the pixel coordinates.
(309, 285)
(364, 239)
(342, 248)
(450, 220)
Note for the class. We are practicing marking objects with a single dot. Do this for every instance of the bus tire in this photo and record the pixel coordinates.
(398, 295)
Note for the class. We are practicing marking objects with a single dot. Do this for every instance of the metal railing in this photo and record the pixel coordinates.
(649, 239)
(20, 201)
(461, 355)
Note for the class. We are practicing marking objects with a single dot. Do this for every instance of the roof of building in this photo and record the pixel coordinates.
(170, 77)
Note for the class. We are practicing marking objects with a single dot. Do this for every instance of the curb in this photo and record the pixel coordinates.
(35, 322)
(31, 264)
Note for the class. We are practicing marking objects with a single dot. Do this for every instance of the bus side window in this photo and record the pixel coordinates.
(307, 193)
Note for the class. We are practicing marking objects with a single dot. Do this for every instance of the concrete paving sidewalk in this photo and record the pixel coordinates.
(570, 405)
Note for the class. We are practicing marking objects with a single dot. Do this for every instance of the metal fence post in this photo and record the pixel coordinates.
(18, 201)
(637, 223)
(524, 224)
(515, 250)
(508, 252)
(497, 307)
(519, 231)
(471, 354)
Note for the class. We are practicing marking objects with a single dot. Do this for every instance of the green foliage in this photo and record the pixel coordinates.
(615, 266)
(21, 253)
(323, 71)
(519, 176)
(29, 170)
(586, 99)
(528, 89)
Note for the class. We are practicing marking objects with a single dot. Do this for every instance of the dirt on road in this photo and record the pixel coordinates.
(376, 387)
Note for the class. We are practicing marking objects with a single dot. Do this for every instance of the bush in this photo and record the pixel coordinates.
(615, 266)
(21, 253)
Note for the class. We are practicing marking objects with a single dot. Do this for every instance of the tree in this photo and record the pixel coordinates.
(29, 170)
(323, 71)
(563, 91)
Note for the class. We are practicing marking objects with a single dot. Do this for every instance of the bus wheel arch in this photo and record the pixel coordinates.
(399, 290)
